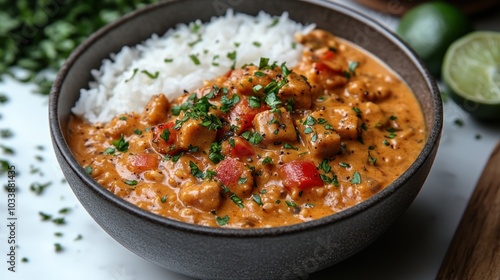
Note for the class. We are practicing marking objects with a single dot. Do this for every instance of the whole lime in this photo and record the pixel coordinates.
(430, 28)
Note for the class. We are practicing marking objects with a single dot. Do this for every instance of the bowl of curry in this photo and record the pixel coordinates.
(267, 171)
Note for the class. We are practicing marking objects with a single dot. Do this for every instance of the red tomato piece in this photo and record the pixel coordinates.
(328, 55)
(242, 115)
(300, 174)
(229, 171)
(162, 132)
(141, 162)
(241, 148)
(322, 67)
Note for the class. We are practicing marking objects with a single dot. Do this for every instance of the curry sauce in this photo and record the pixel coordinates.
(263, 145)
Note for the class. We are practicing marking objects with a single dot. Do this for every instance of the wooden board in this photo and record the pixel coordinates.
(474, 252)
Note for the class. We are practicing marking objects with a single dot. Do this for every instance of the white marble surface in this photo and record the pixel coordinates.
(412, 249)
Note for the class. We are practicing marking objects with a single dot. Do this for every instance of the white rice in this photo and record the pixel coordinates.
(117, 90)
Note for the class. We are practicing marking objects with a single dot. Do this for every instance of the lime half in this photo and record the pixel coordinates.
(471, 71)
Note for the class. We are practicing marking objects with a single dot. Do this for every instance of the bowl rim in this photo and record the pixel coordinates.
(61, 146)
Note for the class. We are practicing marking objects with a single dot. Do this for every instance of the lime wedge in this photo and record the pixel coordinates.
(471, 71)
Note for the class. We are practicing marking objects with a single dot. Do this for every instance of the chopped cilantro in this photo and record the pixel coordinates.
(325, 166)
(242, 180)
(356, 178)
(131, 182)
(289, 146)
(194, 59)
(120, 144)
(222, 221)
(195, 171)
(267, 160)
(150, 75)
(257, 199)
(290, 203)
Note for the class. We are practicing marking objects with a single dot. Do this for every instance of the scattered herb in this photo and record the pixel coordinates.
(88, 169)
(6, 133)
(215, 154)
(210, 174)
(64, 210)
(267, 160)
(59, 221)
(252, 137)
(236, 199)
(131, 182)
(459, 122)
(254, 101)
(289, 146)
(137, 131)
(222, 221)
(133, 75)
(193, 149)
(109, 151)
(195, 171)
(163, 199)
(308, 130)
(242, 180)
(58, 248)
(38, 188)
(352, 67)
(290, 203)
(228, 103)
(6, 150)
(257, 199)
(3, 98)
(195, 59)
(274, 23)
(257, 44)
(325, 166)
(45, 217)
(357, 111)
(310, 120)
(356, 178)
(344, 165)
(120, 144)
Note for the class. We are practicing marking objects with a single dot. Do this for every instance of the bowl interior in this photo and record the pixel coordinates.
(140, 25)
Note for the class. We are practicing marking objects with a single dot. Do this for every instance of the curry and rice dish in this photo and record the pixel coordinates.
(263, 145)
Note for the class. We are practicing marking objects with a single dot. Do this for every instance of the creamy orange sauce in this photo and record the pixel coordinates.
(264, 145)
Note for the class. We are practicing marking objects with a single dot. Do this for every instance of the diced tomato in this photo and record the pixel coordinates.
(241, 148)
(328, 55)
(300, 174)
(242, 115)
(322, 67)
(141, 162)
(229, 171)
(159, 135)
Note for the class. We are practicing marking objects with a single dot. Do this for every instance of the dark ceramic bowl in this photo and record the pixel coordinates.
(220, 253)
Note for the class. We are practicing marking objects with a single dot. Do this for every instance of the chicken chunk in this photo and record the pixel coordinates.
(275, 126)
(156, 110)
(192, 134)
(321, 139)
(205, 196)
(342, 119)
(297, 90)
